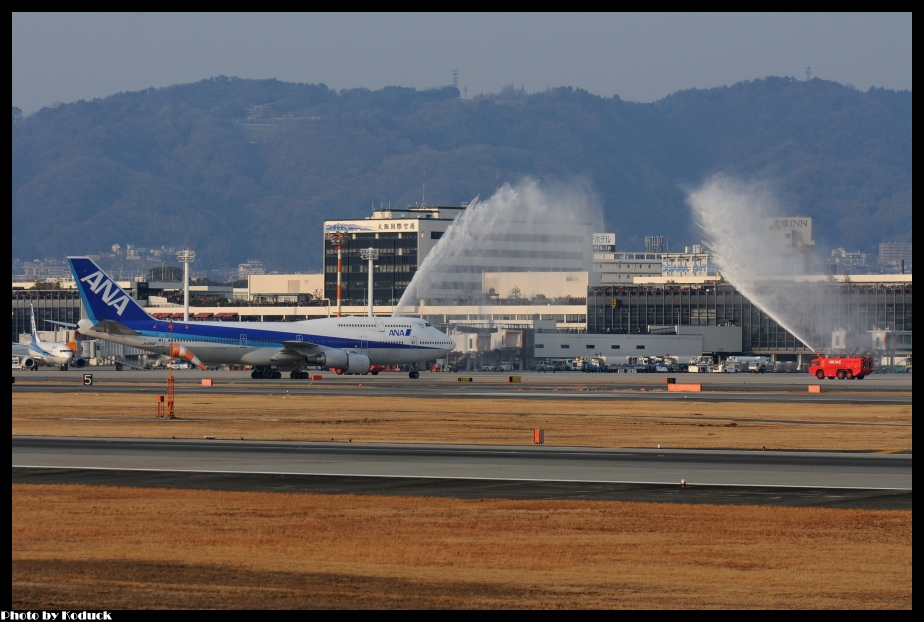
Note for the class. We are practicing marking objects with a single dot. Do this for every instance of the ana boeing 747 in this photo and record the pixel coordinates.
(353, 345)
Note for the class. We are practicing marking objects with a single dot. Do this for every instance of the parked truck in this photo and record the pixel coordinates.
(751, 364)
(841, 367)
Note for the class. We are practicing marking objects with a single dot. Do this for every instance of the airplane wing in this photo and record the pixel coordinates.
(68, 324)
(340, 358)
(111, 327)
(303, 348)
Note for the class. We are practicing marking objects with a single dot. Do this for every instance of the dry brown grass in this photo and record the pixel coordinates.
(102, 548)
(97, 547)
(597, 423)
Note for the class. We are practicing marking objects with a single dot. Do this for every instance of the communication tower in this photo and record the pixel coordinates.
(337, 240)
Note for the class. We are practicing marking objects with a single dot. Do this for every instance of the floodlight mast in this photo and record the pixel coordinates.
(186, 257)
(370, 254)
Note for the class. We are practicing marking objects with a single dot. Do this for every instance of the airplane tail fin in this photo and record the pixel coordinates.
(35, 337)
(102, 298)
(72, 345)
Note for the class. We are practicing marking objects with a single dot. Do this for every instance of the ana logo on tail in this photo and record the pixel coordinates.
(108, 292)
(34, 331)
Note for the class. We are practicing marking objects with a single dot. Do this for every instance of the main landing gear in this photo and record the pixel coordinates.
(268, 373)
(265, 373)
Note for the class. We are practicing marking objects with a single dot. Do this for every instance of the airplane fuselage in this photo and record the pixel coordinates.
(354, 345)
(385, 341)
(53, 353)
(46, 353)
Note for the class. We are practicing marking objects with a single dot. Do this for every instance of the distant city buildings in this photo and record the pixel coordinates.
(132, 263)
(896, 255)
(848, 262)
(251, 267)
(405, 237)
(47, 270)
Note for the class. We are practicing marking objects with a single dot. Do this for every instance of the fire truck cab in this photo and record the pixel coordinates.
(844, 367)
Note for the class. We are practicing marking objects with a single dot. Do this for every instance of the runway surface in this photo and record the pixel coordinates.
(777, 478)
(832, 479)
(781, 387)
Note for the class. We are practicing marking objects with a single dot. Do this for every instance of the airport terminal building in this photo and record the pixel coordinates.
(401, 239)
(551, 292)
(869, 313)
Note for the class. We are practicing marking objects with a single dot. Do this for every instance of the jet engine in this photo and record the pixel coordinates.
(347, 362)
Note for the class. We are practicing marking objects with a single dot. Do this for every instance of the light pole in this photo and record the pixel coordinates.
(370, 254)
(186, 257)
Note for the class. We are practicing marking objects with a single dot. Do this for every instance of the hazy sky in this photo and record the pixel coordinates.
(66, 57)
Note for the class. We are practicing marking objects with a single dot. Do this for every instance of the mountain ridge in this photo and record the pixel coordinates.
(237, 168)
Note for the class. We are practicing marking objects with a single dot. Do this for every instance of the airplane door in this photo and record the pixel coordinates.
(162, 341)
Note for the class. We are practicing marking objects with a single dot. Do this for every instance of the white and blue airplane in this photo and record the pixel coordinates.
(51, 353)
(353, 345)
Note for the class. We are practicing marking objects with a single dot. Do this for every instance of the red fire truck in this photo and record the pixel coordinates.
(842, 367)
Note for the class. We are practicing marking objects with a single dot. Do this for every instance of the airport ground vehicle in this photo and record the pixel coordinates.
(841, 367)
(750, 364)
(755, 367)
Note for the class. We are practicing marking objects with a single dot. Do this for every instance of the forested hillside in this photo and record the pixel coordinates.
(239, 169)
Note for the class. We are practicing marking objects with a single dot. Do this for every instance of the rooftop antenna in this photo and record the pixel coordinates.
(423, 202)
